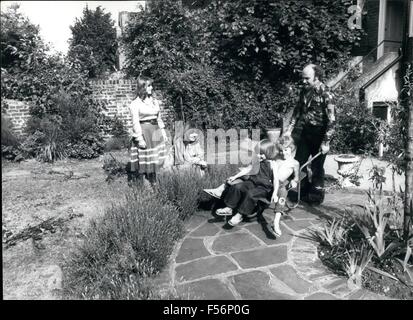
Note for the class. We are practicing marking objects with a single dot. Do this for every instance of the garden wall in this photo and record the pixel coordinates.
(115, 94)
(17, 112)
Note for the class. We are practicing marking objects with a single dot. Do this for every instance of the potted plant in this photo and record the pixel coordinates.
(273, 128)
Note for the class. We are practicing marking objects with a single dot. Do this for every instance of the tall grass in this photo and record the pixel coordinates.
(129, 243)
(183, 187)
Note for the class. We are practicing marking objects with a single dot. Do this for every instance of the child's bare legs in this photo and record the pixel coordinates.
(279, 208)
(276, 224)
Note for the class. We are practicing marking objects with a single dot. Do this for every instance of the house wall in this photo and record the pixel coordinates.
(384, 89)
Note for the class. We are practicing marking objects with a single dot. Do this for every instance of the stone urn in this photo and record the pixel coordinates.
(347, 166)
(273, 134)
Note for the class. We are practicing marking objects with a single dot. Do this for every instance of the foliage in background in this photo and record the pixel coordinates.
(64, 118)
(20, 40)
(396, 139)
(93, 44)
(119, 135)
(236, 61)
(356, 131)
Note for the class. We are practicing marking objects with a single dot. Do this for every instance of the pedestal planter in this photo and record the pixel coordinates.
(273, 134)
(347, 166)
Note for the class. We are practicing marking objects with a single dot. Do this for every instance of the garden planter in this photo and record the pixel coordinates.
(347, 166)
(273, 134)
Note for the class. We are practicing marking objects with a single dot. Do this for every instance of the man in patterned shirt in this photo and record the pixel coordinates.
(315, 114)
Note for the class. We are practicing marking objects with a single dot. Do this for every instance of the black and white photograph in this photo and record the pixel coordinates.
(210, 155)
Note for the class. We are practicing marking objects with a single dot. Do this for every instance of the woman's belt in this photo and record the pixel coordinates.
(151, 121)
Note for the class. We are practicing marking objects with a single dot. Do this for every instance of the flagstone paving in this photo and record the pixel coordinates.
(247, 262)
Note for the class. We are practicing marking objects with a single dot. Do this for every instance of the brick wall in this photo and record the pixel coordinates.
(115, 94)
(18, 113)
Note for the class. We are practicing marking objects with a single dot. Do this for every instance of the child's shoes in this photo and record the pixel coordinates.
(235, 220)
(224, 212)
(217, 192)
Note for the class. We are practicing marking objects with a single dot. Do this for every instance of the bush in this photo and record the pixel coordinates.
(72, 129)
(8, 138)
(120, 138)
(130, 243)
(357, 130)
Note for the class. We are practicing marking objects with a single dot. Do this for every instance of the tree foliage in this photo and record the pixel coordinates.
(93, 42)
(53, 86)
(237, 59)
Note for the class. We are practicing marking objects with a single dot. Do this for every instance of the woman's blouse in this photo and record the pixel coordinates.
(144, 110)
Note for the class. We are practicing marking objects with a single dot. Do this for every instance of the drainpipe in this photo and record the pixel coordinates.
(382, 27)
(408, 105)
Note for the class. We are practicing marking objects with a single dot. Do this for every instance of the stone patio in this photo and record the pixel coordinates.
(248, 262)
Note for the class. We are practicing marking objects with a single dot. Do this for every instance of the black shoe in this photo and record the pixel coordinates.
(316, 198)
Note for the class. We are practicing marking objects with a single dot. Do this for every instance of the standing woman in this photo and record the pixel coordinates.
(148, 151)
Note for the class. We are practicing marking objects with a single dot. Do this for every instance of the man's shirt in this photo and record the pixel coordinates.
(315, 108)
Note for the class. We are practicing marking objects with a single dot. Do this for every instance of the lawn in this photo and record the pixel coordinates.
(46, 208)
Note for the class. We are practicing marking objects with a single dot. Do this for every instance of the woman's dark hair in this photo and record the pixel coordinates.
(142, 83)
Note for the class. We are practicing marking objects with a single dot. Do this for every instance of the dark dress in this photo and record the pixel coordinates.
(244, 196)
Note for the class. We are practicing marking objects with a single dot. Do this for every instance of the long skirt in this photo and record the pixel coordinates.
(151, 159)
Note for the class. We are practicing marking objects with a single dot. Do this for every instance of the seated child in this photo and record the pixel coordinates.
(194, 154)
(284, 168)
(256, 184)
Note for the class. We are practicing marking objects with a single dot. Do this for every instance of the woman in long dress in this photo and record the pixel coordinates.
(148, 151)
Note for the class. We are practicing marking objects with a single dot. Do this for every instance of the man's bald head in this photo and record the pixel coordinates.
(311, 74)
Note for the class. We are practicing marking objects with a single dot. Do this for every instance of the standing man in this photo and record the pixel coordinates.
(315, 113)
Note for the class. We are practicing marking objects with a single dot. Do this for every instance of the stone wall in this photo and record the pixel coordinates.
(115, 94)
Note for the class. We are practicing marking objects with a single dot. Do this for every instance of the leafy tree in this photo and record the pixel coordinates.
(20, 41)
(258, 39)
(237, 59)
(65, 120)
(93, 42)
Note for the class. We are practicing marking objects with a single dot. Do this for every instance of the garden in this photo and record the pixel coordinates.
(68, 199)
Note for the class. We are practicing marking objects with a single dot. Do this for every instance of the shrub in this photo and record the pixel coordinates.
(120, 138)
(357, 130)
(182, 187)
(115, 143)
(130, 243)
(72, 129)
(8, 138)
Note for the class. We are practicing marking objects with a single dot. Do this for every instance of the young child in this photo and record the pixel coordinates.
(257, 183)
(284, 167)
(194, 154)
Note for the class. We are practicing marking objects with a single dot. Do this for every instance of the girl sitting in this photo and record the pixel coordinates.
(257, 183)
